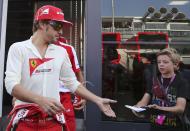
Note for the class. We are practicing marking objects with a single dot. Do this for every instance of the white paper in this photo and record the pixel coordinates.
(137, 109)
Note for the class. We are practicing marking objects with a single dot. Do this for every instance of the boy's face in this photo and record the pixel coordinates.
(165, 65)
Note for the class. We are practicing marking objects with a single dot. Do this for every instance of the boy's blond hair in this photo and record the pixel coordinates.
(172, 54)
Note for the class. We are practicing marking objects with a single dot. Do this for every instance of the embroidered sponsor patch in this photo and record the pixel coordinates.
(46, 11)
(20, 114)
(60, 118)
(34, 63)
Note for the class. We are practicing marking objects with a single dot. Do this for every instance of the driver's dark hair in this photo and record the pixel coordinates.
(36, 25)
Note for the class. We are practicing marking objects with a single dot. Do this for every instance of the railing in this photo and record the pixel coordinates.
(174, 30)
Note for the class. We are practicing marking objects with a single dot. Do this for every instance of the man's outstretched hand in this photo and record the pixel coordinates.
(104, 105)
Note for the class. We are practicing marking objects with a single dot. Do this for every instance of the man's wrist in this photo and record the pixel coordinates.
(98, 100)
(37, 99)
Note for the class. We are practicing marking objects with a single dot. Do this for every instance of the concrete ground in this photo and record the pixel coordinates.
(80, 125)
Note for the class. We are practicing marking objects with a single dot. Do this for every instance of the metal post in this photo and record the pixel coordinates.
(81, 34)
(92, 63)
(3, 21)
(113, 15)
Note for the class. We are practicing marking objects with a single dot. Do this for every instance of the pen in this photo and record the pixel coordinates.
(144, 107)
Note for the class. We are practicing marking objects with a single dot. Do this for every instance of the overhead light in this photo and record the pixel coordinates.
(163, 10)
(174, 10)
(156, 15)
(149, 11)
(178, 2)
(179, 16)
(168, 16)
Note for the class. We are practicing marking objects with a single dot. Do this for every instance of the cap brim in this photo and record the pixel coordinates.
(67, 22)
